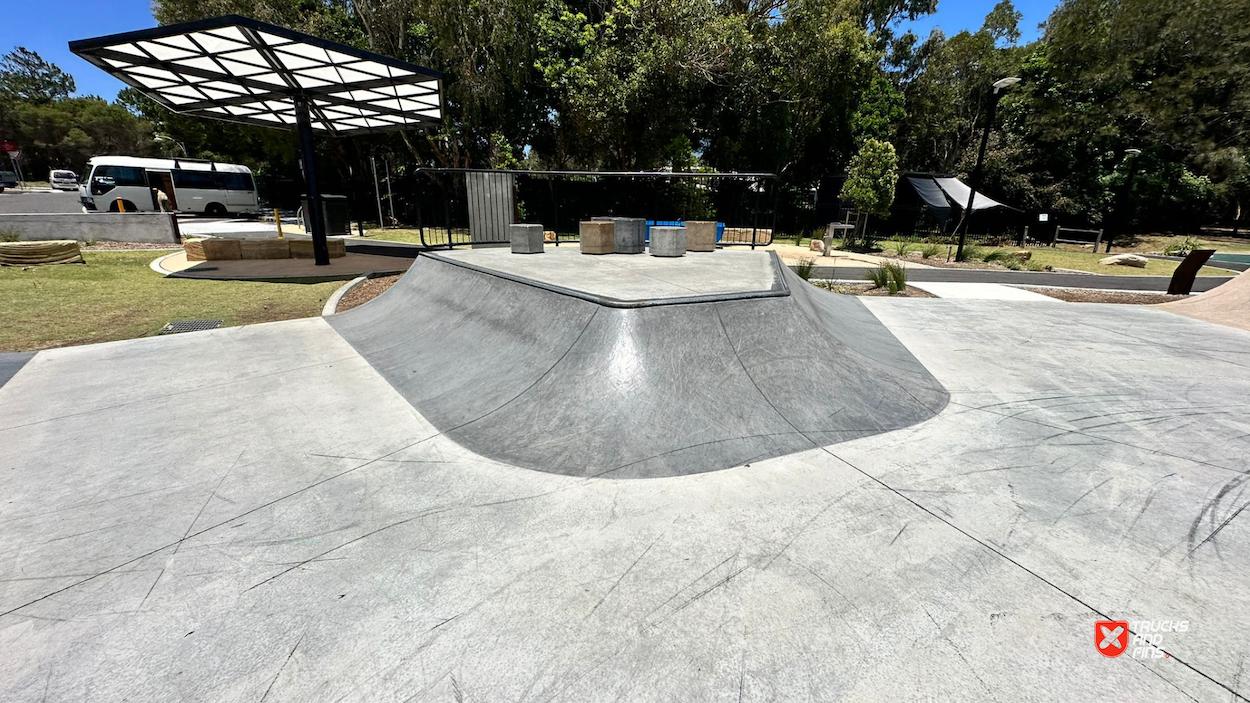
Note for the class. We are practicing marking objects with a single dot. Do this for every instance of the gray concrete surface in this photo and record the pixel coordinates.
(11, 363)
(281, 525)
(144, 227)
(981, 291)
(626, 277)
(555, 383)
(15, 201)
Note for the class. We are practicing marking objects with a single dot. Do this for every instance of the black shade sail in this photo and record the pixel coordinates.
(240, 70)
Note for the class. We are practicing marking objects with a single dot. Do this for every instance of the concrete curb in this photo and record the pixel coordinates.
(156, 264)
(332, 304)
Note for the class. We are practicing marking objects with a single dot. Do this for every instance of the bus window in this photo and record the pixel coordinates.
(203, 180)
(236, 181)
(105, 178)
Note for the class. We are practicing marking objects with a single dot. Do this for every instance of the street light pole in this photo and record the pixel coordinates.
(163, 138)
(1125, 193)
(975, 179)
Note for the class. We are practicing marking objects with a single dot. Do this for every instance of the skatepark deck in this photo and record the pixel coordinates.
(257, 513)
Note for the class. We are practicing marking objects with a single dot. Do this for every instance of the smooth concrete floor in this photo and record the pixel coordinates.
(632, 276)
(253, 513)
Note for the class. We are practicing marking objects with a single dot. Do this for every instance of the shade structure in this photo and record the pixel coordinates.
(932, 195)
(238, 69)
(241, 70)
(959, 192)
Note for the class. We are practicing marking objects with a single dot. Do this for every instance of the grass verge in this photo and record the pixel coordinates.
(116, 296)
(1058, 257)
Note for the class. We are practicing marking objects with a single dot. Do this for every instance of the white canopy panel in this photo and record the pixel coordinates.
(958, 192)
(241, 70)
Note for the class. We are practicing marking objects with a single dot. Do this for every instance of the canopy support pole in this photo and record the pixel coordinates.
(313, 216)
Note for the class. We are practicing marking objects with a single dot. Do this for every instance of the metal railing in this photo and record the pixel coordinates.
(459, 206)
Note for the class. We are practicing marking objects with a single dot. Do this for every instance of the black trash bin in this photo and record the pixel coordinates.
(337, 216)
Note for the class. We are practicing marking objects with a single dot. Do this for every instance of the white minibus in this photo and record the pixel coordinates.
(114, 183)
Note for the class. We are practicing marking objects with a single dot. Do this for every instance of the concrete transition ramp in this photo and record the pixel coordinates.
(542, 379)
(1228, 304)
(11, 363)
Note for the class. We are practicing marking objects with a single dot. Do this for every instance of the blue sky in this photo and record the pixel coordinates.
(952, 16)
(46, 26)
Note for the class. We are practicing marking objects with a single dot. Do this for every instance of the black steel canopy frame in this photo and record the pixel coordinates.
(238, 69)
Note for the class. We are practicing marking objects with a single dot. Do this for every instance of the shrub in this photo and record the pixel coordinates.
(1181, 248)
(888, 275)
(929, 251)
(971, 253)
(804, 267)
(900, 248)
(1005, 258)
(10, 234)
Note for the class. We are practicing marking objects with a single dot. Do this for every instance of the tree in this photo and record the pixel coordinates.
(24, 75)
(870, 180)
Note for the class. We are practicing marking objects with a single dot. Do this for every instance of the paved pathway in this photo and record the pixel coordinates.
(981, 291)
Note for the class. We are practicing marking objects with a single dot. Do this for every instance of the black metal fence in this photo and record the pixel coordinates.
(452, 207)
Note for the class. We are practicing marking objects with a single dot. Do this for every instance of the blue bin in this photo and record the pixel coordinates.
(720, 227)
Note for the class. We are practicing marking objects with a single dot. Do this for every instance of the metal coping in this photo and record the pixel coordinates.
(779, 288)
(238, 69)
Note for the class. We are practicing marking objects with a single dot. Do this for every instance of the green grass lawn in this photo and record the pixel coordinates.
(1077, 260)
(433, 237)
(116, 296)
(1086, 261)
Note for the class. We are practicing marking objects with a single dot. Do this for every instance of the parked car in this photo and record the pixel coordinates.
(8, 179)
(61, 179)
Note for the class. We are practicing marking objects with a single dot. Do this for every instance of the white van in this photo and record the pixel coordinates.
(191, 185)
(60, 179)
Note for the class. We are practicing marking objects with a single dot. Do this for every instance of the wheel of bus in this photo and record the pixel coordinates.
(130, 207)
(215, 210)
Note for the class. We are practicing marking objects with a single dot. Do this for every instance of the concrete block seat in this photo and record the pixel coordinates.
(526, 239)
(669, 241)
(597, 237)
(629, 234)
(220, 249)
(700, 235)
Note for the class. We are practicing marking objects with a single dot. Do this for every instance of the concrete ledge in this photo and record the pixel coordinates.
(138, 227)
(332, 304)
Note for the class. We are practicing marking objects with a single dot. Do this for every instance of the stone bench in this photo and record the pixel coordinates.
(222, 249)
(668, 241)
(597, 237)
(700, 235)
(526, 239)
(629, 234)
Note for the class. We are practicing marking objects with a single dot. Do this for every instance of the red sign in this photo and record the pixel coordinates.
(1111, 637)
(9, 147)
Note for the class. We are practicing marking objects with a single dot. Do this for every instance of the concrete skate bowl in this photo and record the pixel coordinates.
(1227, 304)
(554, 382)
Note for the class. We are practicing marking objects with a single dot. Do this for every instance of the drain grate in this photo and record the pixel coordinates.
(179, 326)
